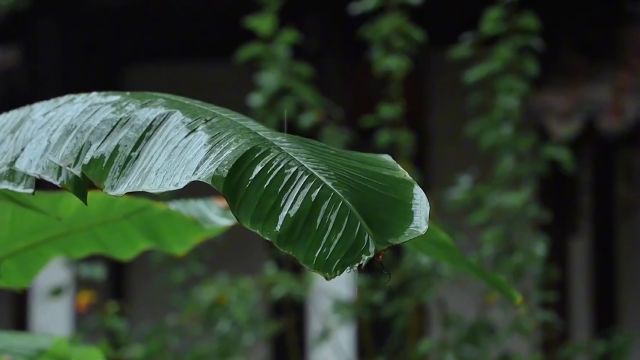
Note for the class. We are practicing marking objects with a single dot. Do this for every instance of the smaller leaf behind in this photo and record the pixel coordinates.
(438, 245)
(117, 227)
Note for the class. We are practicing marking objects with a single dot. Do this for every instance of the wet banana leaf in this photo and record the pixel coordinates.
(331, 209)
(118, 227)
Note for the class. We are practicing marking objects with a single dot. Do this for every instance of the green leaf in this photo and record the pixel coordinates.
(493, 21)
(16, 345)
(438, 245)
(17, 199)
(331, 209)
(63, 349)
(250, 51)
(480, 72)
(264, 24)
(461, 51)
(23, 346)
(288, 36)
(117, 227)
(528, 21)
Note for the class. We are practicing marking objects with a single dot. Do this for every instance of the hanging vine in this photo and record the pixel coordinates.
(284, 88)
(502, 203)
(503, 207)
(392, 40)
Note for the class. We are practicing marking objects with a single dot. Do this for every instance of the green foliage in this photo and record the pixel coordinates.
(395, 302)
(438, 245)
(37, 228)
(415, 280)
(25, 346)
(503, 208)
(219, 316)
(400, 300)
(392, 39)
(216, 316)
(284, 89)
(273, 182)
(63, 350)
(616, 346)
(217, 327)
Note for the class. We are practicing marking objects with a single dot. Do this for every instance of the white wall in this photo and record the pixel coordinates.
(51, 300)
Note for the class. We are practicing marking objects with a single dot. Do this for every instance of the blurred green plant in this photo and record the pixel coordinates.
(503, 206)
(284, 90)
(15, 345)
(616, 346)
(216, 316)
(504, 211)
(392, 40)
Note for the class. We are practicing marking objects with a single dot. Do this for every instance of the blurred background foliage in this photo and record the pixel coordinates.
(284, 87)
(217, 316)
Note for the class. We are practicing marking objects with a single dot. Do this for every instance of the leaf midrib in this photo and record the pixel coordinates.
(73, 231)
(273, 143)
